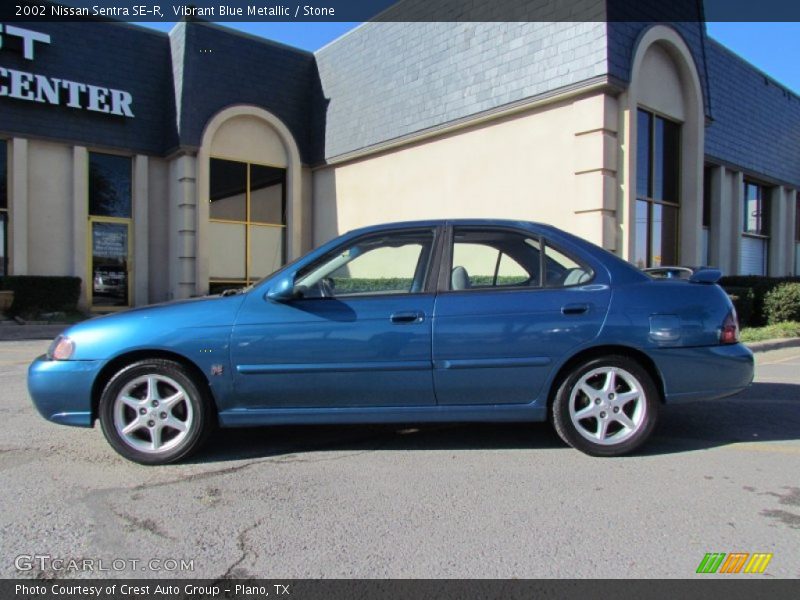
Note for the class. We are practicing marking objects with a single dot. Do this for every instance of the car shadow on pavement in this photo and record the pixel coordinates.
(264, 442)
(766, 412)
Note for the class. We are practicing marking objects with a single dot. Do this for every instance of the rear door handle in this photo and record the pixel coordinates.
(574, 309)
(411, 316)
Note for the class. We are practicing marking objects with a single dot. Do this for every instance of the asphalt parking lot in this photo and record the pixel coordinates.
(478, 501)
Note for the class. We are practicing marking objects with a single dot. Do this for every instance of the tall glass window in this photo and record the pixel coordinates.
(753, 258)
(110, 211)
(657, 191)
(756, 216)
(3, 208)
(248, 222)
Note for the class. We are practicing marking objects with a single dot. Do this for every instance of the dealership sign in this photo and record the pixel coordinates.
(22, 85)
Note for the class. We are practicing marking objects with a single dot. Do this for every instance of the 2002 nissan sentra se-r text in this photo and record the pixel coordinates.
(468, 320)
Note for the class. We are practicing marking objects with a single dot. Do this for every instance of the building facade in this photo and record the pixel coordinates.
(157, 166)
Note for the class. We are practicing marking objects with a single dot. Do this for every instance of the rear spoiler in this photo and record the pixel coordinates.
(706, 275)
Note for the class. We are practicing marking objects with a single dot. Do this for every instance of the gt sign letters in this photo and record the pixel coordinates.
(22, 85)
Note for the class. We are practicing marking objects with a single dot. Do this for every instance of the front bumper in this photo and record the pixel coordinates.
(62, 389)
(706, 373)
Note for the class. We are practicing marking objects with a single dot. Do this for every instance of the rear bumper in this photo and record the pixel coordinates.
(62, 390)
(706, 373)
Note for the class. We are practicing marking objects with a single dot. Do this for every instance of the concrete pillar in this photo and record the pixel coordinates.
(778, 216)
(141, 229)
(182, 229)
(307, 225)
(720, 233)
(691, 192)
(18, 207)
(737, 219)
(80, 220)
(295, 208)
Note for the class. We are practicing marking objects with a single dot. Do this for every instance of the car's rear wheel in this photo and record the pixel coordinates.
(606, 406)
(153, 412)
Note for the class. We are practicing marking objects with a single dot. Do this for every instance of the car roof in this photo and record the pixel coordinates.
(440, 222)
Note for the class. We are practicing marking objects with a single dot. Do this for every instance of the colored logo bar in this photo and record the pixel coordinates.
(735, 562)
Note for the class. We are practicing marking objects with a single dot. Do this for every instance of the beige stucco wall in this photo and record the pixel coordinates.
(50, 243)
(660, 87)
(519, 167)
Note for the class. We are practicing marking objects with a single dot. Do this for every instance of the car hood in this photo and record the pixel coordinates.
(160, 326)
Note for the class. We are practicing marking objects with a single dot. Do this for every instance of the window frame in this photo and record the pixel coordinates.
(101, 152)
(647, 197)
(446, 262)
(102, 219)
(248, 223)
(430, 277)
(763, 207)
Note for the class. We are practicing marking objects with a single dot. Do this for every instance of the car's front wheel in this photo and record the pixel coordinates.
(152, 412)
(606, 406)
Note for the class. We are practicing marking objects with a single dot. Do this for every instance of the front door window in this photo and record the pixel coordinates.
(376, 265)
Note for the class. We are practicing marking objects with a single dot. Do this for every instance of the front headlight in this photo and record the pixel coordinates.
(62, 348)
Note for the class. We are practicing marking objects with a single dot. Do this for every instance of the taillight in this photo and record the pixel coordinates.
(729, 334)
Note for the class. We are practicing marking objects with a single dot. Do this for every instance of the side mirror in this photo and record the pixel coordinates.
(283, 289)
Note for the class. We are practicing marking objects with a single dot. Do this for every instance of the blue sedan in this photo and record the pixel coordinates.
(468, 320)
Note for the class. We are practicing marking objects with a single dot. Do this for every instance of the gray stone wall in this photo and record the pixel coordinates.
(387, 80)
(756, 122)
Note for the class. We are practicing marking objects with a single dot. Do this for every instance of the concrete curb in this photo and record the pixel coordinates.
(768, 345)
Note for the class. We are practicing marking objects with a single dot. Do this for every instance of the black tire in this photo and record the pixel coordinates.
(618, 437)
(171, 381)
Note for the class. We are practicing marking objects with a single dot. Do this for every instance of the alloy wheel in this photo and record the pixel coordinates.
(153, 414)
(608, 406)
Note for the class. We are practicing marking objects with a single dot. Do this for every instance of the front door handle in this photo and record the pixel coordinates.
(411, 316)
(574, 309)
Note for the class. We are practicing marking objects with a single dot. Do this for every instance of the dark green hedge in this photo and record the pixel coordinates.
(782, 304)
(355, 285)
(42, 294)
(759, 287)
